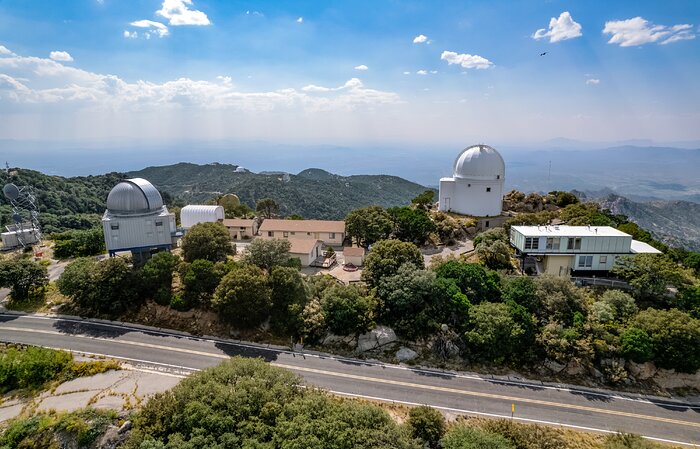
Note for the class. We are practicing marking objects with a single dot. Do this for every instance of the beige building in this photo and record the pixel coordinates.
(353, 255)
(240, 228)
(306, 250)
(332, 233)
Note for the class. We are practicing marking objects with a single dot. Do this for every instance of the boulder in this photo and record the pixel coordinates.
(641, 371)
(333, 340)
(554, 366)
(668, 378)
(112, 438)
(574, 368)
(376, 338)
(405, 354)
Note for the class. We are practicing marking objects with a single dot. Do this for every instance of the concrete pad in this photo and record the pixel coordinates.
(97, 382)
(110, 402)
(66, 402)
(151, 384)
(9, 412)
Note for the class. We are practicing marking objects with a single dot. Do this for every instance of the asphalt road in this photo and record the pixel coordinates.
(595, 410)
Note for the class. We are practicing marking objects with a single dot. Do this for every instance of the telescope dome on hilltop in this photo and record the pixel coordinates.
(134, 196)
(479, 162)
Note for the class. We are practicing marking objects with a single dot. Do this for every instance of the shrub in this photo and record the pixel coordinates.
(385, 258)
(347, 309)
(463, 437)
(244, 296)
(426, 424)
(675, 337)
(208, 241)
(636, 345)
(31, 367)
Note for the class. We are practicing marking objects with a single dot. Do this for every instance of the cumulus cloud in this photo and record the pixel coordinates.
(466, 60)
(639, 31)
(130, 34)
(178, 13)
(152, 28)
(300, 20)
(62, 56)
(361, 67)
(5, 51)
(27, 82)
(560, 29)
(420, 39)
(406, 73)
(422, 72)
(593, 81)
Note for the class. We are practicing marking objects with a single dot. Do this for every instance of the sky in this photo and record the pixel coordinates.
(349, 73)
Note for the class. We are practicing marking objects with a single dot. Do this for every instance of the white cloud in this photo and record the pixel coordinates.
(62, 56)
(465, 60)
(27, 82)
(420, 39)
(5, 51)
(152, 28)
(422, 72)
(639, 31)
(406, 73)
(178, 13)
(560, 29)
(130, 35)
(433, 72)
(254, 13)
(361, 67)
(593, 81)
(300, 20)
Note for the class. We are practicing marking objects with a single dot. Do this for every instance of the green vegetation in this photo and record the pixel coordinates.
(267, 208)
(52, 430)
(386, 257)
(368, 225)
(79, 243)
(267, 254)
(427, 425)
(23, 277)
(248, 403)
(243, 296)
(33, 368)
(207, 241)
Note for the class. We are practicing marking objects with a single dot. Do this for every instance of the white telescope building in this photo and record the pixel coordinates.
(476, 185)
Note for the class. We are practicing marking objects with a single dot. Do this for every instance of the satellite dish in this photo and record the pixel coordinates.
(11, 191)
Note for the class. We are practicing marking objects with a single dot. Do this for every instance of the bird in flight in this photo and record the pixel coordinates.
(542, 54)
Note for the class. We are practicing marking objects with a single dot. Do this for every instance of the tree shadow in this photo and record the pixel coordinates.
(233, 349)
(7, 317)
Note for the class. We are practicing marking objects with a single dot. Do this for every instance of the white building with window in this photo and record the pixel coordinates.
(476, 185)
(136, 220)
(562, 250)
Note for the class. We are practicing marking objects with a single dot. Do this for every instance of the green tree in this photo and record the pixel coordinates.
(411, 225)
(650, 275)
(559, 299)
(464, 437)
(268, 253)
(22, 277)
(475, 281)
(289, 297)
(675, 337)
(369, 225)
(636, 345)
(267, 207)
(157, 273)
(622, 304)
(494, 335)
(348, 310)
(244, 296)
(521, 290)
(385, 258)
(425, 200)
(199, 279)
(79, 243)
(294, 217)
(207, 241)
(563, 199)
(427, 425)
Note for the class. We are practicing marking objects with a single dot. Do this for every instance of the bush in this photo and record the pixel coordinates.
(244, 296)
(22, 277)
(475, 281)
(385, 258)
(426, 424)
(77, 243)
(31, 367)
(463, 437)
(629, 441)
(267, 254)
(636, 345)
(675, 338)
(347, 309)
(207, 241)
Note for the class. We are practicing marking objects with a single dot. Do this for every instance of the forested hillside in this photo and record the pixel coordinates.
(313, 193)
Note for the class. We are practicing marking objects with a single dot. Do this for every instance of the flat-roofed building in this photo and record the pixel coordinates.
(563, 250)
(240, 228)
(332, 233)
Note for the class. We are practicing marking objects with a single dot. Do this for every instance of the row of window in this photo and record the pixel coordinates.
(285, 234)
(115, 226)
(552, 243)
(587, 261)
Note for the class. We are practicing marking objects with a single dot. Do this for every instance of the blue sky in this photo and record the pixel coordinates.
(340, 72)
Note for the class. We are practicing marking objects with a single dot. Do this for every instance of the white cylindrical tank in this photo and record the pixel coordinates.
(193, 214)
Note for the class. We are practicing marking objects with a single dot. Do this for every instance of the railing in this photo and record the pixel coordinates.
(603, 282)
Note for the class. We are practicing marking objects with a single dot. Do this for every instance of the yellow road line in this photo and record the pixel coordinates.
(379, 380)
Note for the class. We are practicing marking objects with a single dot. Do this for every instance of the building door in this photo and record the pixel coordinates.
(446, 205)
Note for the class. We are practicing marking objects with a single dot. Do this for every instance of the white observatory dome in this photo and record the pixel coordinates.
(134, 196)
(479, 162)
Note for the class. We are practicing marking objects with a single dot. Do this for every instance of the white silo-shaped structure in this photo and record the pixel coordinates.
(476, 185)
(193, 214)
(136, 220)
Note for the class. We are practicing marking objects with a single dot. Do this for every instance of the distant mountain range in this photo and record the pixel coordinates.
(312, 193)
(675, 223)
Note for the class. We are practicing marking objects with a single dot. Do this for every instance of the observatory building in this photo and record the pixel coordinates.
(476, 185)
(136, 220)
(194, 214)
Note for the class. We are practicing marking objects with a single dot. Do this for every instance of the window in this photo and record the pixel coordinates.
(242, 228)
(574, 243)
(488, 189)
(486, 224)
(285, 234)
(293, 233)
(270, 234)
(331, 235)
(308, 233)
(159, 223)
(114, 226)
(585, 261)
(532, 242)
(498, 176)
(553, 242)
(603, 259)
(469, 185)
